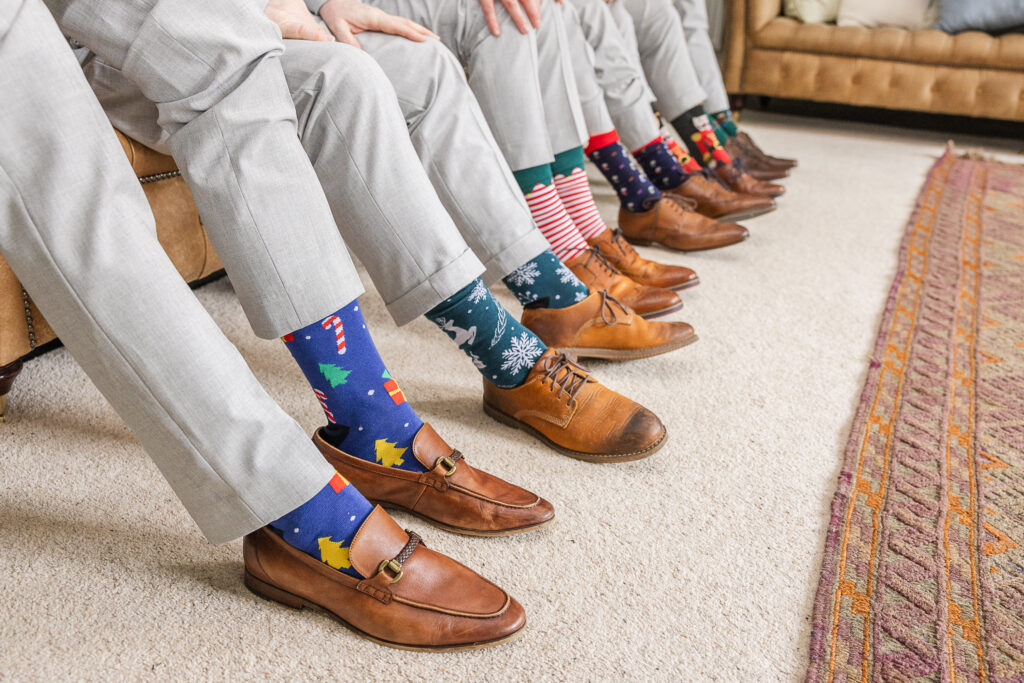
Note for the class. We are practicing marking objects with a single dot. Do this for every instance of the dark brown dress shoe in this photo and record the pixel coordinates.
(601, 327)
(714, 200)
(595, 271)
(736, 178)
(751, 148)
(627, 261)
(757, 168)
(566, 408)
(671, 225)
(412, 597)
(451, 494)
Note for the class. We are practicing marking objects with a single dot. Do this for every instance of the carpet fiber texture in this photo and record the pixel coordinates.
(923, 573)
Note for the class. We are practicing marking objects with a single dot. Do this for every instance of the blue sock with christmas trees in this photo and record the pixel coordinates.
(367, 411)
(325, 525)
(500, 347)
(545, 282)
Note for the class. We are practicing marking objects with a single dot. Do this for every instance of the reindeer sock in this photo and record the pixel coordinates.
(367, 412)
(500, 347)
(325, 525)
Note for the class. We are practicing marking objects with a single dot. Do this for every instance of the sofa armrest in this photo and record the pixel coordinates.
(735, 44)
(760, 12)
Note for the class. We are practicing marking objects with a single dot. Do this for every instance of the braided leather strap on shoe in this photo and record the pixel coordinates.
(393, 568)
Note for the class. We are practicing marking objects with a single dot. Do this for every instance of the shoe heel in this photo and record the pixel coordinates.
(501, 417)
(268, 592)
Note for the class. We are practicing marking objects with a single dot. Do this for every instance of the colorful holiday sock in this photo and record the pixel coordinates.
(368, 414)
(549, 213)
(545, 282)
(635, 190)
(726, 122)
(660, 164)
(574, 191)
(688, 163)
(695, 128)
(325, 525)
(501, 349)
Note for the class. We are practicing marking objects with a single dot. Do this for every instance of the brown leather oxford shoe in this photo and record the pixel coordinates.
(451, 494)
(735, 176)
(754, 165)
(750, 147)
(671, 225)
(597, 273)
(570, 411)
(601, 327)
(412, 597)
(634, 266)
(714, 200)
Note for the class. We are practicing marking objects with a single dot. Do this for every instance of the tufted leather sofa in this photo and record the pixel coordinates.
(24, 332)
(968, 74)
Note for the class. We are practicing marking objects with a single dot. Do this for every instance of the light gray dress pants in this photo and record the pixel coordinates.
(212, 70)
(76, 229)
(702, 51)
(523, 83)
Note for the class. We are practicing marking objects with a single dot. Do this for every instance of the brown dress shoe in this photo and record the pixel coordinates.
(594, 270)
(758, 169)
(751, 148)
(670, 224)
(450, 494)
(735, 176)
(566, 408)
(634, 266)
(714, 200)
(412, 597)
(601, 327)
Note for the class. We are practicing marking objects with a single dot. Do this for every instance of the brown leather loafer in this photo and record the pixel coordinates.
(597, 273)
(714, 200)
(750, 147)
(671, 225)
(450, 494)
(735, 176)
(754, 165)
(570, 411)
(601, 327)
(634, 266)
(412, 597)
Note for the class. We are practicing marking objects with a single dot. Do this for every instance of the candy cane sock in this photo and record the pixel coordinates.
(549, 213)
(367, 413)
(574, 191)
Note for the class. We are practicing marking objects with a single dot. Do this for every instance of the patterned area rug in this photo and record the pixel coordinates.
(923, 573)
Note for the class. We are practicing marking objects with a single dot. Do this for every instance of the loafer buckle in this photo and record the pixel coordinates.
(447, 464)
(393, 567)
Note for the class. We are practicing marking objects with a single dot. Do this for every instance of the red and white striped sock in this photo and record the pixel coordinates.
(554, 222)
(574, 190)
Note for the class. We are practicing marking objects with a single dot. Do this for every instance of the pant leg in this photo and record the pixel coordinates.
(595, 111)
(212, 69)
(76, 228)
(664, 55)
(617, 69)
(458, 151)
(502, 72)
(694, 14)
(562, 110)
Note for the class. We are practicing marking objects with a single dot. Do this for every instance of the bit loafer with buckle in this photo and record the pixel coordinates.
(451, 494)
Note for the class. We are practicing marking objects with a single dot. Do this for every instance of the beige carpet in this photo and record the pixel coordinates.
(699, 563)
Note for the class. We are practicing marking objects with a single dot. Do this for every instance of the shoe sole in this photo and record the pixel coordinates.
(661, 312)
(685, 285)
(462, 530)
(628, 354)
(283, 597)
(745, 213)
(640, 242)
(510, 421)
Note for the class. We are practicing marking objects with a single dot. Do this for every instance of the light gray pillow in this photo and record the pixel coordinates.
(993, 16)
(812, 11)
(909, 14)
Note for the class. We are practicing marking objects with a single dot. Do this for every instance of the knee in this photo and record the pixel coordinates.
(353, 74)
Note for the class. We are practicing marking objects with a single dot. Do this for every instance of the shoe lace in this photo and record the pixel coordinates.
(608, 305)
(566, 376)
(602, 260)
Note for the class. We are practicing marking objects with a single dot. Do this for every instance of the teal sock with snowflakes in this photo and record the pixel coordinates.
(500, 347)
(545, 282)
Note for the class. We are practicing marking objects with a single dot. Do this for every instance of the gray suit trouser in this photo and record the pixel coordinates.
(76, 229)
(524, 83)
(702, 51)
(415, 258)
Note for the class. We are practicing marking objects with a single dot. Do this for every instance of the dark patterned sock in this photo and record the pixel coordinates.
(661, 165)
(545, 282)
(699, 137)
(635, 190)
(726, 123)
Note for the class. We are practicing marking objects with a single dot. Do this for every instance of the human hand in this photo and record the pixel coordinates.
(345, 18)
(295, 21)
(524, 13)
